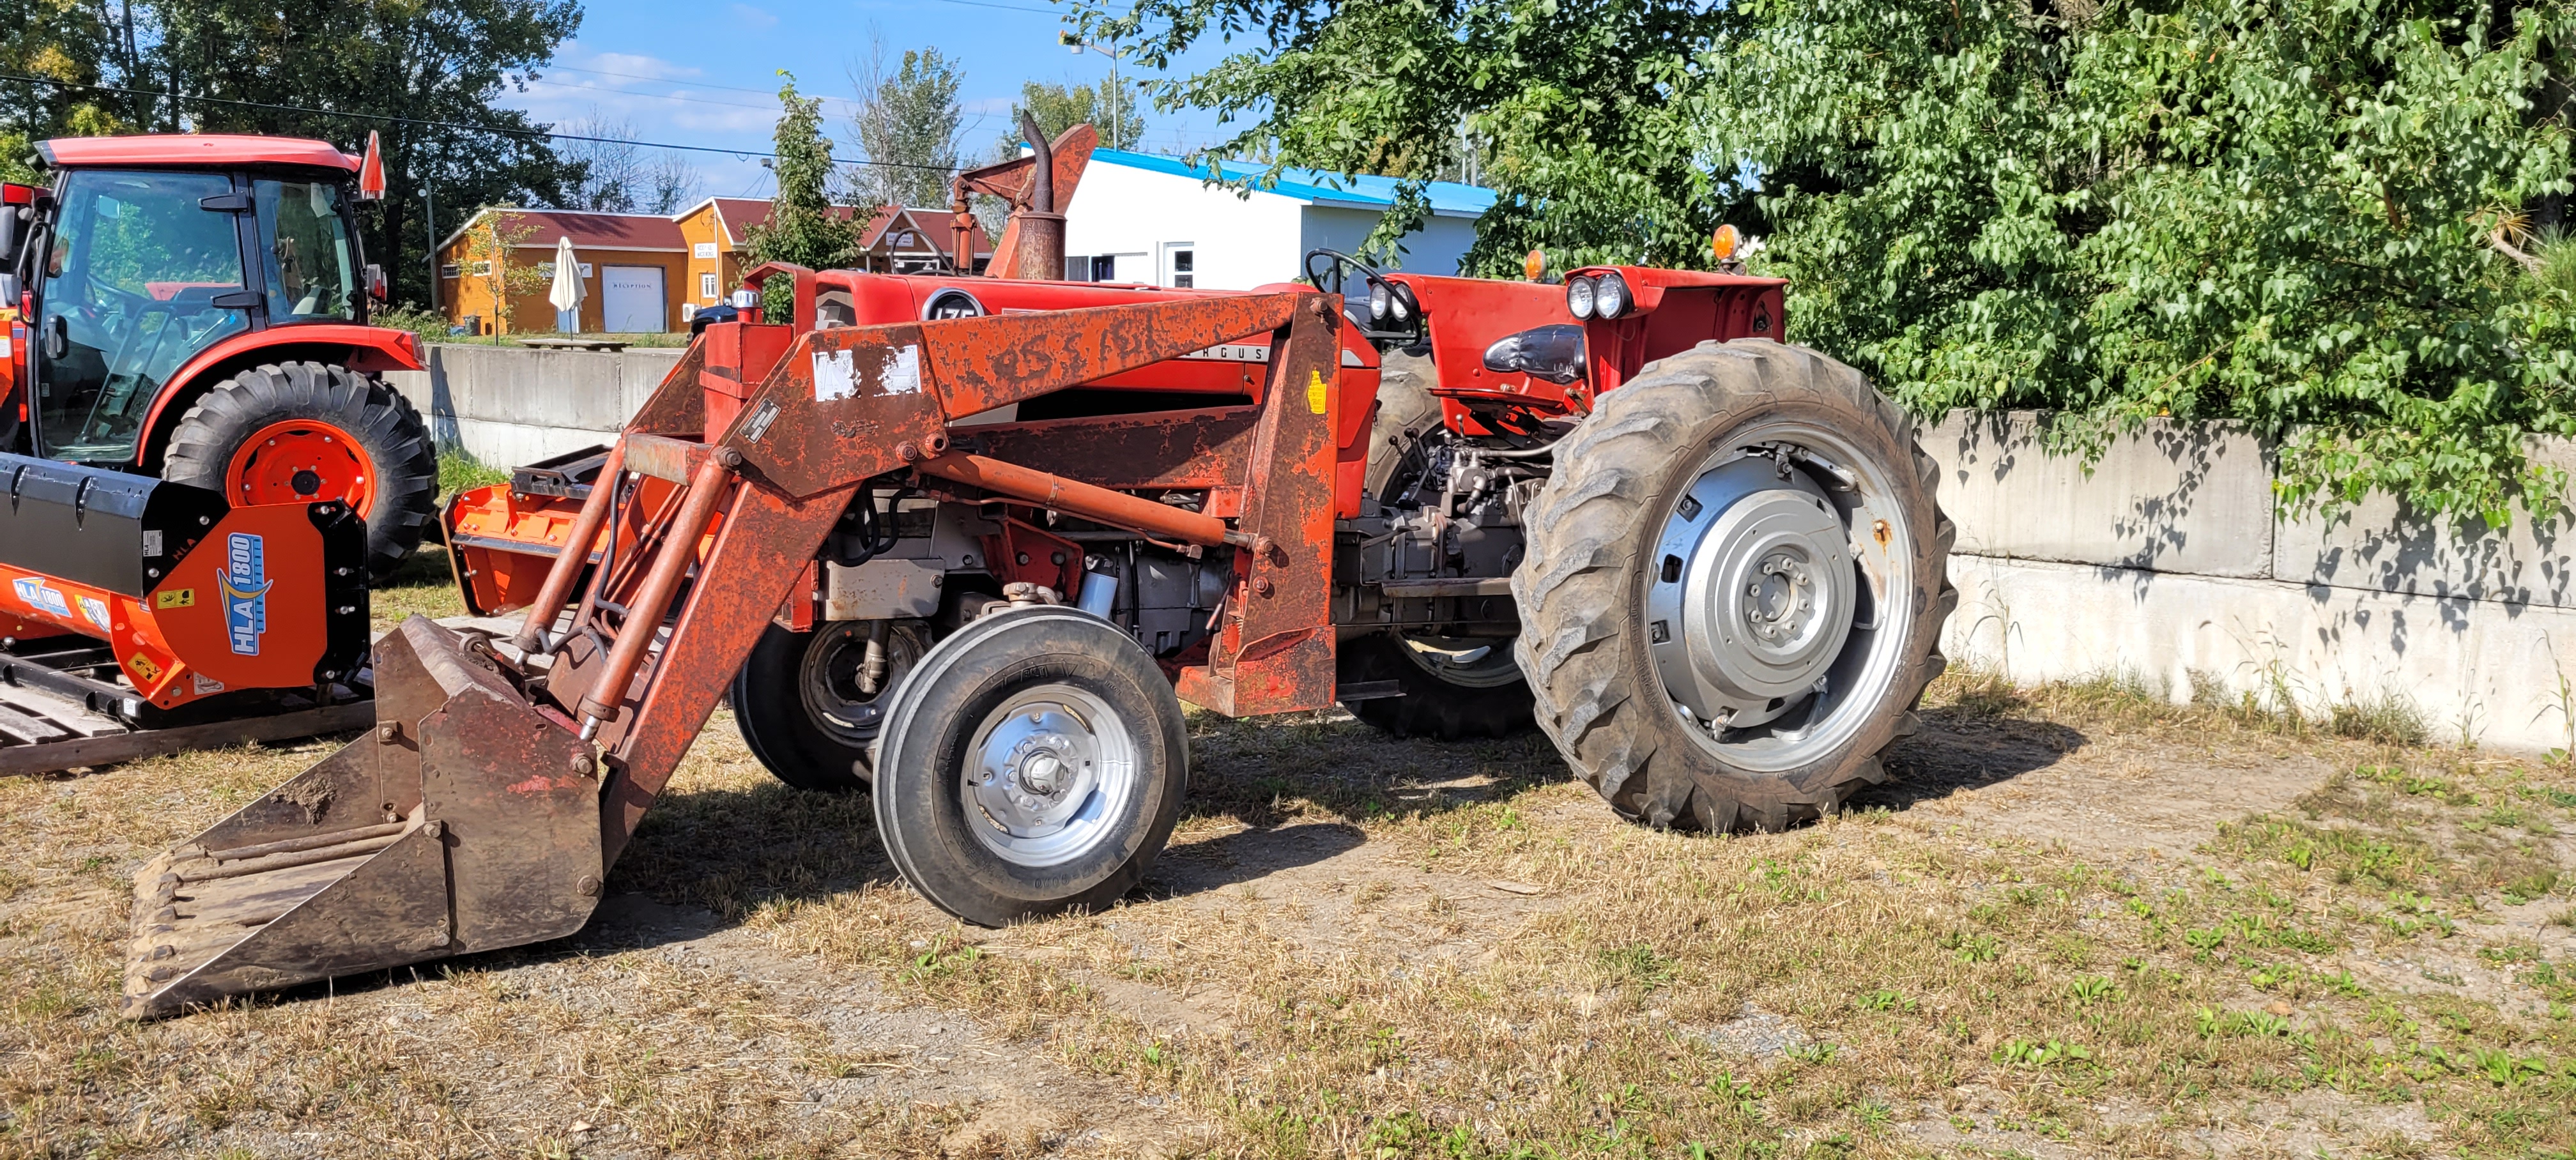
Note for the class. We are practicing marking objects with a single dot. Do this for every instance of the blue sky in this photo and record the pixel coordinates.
(705, 72)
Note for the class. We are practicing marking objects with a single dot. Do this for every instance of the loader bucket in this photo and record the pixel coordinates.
(466, 820)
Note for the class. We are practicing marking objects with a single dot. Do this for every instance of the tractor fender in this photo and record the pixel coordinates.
(370, 349)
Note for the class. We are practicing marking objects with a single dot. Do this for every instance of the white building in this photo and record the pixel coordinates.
(1141, 217)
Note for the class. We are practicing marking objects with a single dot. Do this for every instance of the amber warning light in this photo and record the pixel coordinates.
(1723, 243)
(1534, 265)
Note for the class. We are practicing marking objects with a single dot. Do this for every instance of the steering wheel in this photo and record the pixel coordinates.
(1336, 266)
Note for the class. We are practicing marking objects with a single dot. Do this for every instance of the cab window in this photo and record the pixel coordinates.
(312, 270)
(130, 288)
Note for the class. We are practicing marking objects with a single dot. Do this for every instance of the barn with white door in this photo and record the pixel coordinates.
(1143, 217)
(632, 266)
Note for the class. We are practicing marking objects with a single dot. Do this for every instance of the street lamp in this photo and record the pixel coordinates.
(1076, 44)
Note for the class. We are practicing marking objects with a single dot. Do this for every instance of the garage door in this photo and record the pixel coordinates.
(630, 300)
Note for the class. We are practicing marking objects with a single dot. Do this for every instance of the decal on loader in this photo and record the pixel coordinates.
(245, 583)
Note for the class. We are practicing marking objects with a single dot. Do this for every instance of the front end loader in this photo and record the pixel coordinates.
(969, 551)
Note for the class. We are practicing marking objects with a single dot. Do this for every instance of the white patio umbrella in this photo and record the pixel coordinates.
(565, 294)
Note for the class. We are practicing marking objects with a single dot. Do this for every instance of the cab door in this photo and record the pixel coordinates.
(144, 272)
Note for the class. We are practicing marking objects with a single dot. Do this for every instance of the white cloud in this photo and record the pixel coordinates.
(754, 17)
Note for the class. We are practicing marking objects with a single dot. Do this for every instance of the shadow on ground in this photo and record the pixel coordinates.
(1958, 750)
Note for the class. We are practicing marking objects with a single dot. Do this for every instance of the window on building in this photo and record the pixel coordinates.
(1077, 268)
(451, 270)
(546, 270)
(1184, 268)
(707, 286)
(482, 269)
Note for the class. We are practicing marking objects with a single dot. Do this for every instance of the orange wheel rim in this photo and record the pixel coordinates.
(301, 461)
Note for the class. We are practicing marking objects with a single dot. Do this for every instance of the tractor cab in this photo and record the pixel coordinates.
(149, 252)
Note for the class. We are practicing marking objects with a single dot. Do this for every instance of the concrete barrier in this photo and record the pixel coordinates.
(508, 405)
(2169, 563)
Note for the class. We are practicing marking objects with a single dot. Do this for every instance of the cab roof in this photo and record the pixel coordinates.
(213, 150)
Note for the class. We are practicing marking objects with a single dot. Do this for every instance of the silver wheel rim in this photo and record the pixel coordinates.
(1774, 596)
(1467, 662)
(1050, 772)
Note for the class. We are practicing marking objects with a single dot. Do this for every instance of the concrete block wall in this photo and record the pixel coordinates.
(508, 405)
(2170, 563)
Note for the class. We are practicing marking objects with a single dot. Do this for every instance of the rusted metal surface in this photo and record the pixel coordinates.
(663, 456)
(1074, 497)
(761, 549)
(585, 532)
(1275, 651)
(1069, 155)
(1162, 449)
(468, 825)
(851, 402)
(707, 488)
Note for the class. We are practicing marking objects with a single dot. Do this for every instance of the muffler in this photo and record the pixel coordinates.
(467, 820)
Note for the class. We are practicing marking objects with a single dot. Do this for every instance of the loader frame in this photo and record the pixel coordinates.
(489, 802)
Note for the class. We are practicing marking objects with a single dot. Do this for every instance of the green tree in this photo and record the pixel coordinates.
(906, 124)
(802, 227)
(423, 60)
(1058, 107)
(2297, 214)
(1580, 114)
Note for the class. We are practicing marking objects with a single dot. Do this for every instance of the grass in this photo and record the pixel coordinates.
(1323, 967)
(458, 470)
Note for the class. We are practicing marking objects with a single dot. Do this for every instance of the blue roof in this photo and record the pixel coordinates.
(1320, 187)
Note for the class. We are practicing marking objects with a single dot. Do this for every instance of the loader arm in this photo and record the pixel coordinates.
(487, 806)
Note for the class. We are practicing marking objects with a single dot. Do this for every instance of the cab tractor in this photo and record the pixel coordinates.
(968, 543)
(188, 354)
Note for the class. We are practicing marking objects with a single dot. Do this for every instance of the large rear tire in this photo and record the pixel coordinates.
(1446, 698)
(306, 431)
(804, 706)
(1735, 588)
(1032, 763)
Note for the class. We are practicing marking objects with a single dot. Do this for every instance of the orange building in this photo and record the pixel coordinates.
(897, 240)
(633, 267)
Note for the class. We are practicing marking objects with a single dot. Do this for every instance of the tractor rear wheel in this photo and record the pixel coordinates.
(305, 431)
(1031, 763)
(1453, 688)
(1735, 588)
(806, 704)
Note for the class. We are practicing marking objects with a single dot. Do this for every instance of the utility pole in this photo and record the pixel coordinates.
(429, 226)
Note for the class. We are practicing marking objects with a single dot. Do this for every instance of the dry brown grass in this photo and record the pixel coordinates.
(1360, 947)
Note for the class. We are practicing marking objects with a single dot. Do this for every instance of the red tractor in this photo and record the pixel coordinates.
(968, 544)
(195, 308)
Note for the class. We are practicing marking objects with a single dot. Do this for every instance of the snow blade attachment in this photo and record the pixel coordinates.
(465, 821)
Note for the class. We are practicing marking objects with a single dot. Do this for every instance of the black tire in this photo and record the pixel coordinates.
(381, 422)
(945, 845)
(1406, 409)
(1431, 706)
(1582, 589)
(799, 709)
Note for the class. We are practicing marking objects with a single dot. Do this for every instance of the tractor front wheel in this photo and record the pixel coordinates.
(1032, 763)
(1735, 587)
(305, 432)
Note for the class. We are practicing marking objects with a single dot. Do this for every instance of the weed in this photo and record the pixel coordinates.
(2024, 1053)
(1885, 1000)
(2093, 989)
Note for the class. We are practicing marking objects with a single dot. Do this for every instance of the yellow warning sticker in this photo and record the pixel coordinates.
(143, 667)
(1315, 392)
(175, 598)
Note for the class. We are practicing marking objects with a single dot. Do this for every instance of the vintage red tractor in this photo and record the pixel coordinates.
(969, 543)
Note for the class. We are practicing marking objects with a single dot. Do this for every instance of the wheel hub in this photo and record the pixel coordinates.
(1050, 767)
(1752, 593)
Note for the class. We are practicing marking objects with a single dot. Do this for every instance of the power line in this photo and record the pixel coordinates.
(492, 129)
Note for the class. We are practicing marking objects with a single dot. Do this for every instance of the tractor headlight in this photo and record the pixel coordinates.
(1380, 301)
(1579, 293)
(746, 299)
(1611, 300)
(1400, 302)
